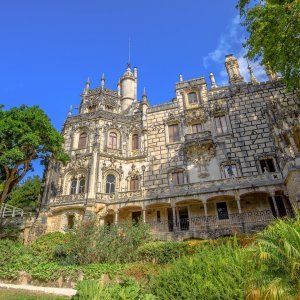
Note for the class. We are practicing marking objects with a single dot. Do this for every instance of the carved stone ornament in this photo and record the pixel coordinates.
(112, 166)
(172, 118)
(201, 155)
(195, 115)
(134, 172)
(78, 162)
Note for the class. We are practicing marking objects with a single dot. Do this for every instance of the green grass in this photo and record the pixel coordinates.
(6, 294)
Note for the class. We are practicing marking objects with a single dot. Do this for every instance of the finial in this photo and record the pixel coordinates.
(252, 77)
(87, 86)
(144, 92)
(233, 70)
(70, 111)
(144, 97)
(212, 81)
(119, 88)
(135, 72)
(102, 81)
(180, 78)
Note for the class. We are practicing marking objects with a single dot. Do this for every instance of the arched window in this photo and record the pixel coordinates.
(112, 140)
(110, 184)
(81, 186)
(73, 186)
(135, 142)
(82, 140)
(177, 178)
(192, 98)
(134, 183)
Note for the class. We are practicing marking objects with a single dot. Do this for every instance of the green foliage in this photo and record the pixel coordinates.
(128, 289)
(277, 258)
(26, 134)
(53, 246)
(26, 195)
(162, 252)
(213, 273)
(9, 231)
(117, 243)
(274, 28)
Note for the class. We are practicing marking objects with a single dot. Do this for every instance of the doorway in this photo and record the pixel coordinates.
(183, 215)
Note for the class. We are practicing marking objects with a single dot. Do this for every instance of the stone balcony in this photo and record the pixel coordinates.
(198, 138)
(119, 196)
(66, 199)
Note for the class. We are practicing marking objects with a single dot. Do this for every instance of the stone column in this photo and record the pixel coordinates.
(174, 217)
(116, 217)
(144, 215)
(238, 202)
(206, 215)
(275, 205)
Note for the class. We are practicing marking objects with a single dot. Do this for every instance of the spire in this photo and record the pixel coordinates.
(212, 81)
(87, 86)
(119, 88)
(270, 73)
(233, 70)
(180, 78)
(252, 77)
(144, 97)
(102, 81)
(70, 111)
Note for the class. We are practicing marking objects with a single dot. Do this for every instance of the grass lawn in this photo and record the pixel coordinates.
(9, 294)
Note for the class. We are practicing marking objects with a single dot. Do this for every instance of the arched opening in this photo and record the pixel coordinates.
(73, 187)
(134, 183)
(81, 185)
(82, 140)
(110, 184)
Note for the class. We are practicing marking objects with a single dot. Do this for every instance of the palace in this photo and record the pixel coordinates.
(212, 161)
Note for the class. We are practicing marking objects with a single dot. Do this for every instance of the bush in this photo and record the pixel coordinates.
(212, 273)
(54, 246)
(127, 290)
(162, 252)
(95, 243)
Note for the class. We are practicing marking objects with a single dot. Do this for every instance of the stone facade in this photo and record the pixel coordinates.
(212, 159)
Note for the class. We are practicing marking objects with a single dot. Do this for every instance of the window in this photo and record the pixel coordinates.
(230, 171)
(173, 133)
(81, 186)
(73, 186)
(196, 128)
(158, 216)
(222, 211)
(135, 142)
(134, 184)
(112, 141)
(82, 140)
(177, 178)
(71, 221)
(267, 164)
(221, 125)
(192, 98)
(92, 108)
(110, 184)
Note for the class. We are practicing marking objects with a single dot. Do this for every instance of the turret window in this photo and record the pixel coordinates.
(112, 140)
(267, 164)
(82, 140)
(192, 98)
(135, 142)
(110, 184)
(173, 133)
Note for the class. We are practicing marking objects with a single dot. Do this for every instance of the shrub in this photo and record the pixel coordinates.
(95, 243)
(277, 259)
(52, 246)
(162, 252)
(127, 290)
(213, 273)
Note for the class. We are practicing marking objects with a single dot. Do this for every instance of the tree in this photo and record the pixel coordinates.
(26, 134)
(274, 35)
(26, 195)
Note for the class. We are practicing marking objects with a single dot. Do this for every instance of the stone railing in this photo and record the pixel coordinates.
(119, 196)
(198, 137)
(160, 107)
(68, 199)
(211, 186)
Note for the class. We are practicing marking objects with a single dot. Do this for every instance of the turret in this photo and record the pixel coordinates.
(233, 69)
(128, 88)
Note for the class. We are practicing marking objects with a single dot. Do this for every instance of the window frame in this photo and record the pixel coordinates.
(197, 126)
(81, 188)
(173, 137)
(73, 189)
(221, 128)
(195, 99)
(177, 177)
(266, 160)
(235, 173)
(134, 183)
(112, 140)
(82, 140)
(219, 213)
(135, 142)
(110, 186)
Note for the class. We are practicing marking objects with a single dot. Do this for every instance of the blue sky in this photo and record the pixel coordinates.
(49, 48)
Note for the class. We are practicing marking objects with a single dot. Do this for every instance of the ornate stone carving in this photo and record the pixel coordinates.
(195, 115)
